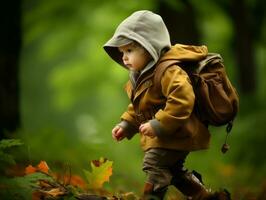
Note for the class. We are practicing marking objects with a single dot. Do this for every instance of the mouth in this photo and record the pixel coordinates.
(128, 66)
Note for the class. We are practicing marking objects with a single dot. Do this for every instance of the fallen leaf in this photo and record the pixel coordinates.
(77, 181)
(97, 163)
(73, 180)
(55, 192)
(43, 167)
(30, 170)
(45, 184)
(101, 172)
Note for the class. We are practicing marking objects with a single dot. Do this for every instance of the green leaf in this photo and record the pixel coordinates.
(20, 187)
(6, 158)
(7, 143)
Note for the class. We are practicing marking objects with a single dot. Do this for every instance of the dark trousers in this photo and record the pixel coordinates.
(161, 165)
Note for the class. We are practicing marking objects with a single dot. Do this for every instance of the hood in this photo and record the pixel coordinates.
(144, 27)
(185, 53)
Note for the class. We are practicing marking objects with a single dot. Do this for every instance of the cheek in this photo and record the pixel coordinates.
(140, 61)
(145, 59)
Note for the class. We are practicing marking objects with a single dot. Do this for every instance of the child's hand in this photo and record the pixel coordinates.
(118, 133)
(147, 130)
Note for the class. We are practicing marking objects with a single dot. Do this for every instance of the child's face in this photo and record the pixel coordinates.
(134, 57)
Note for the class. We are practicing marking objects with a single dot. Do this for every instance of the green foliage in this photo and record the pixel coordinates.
(5, 157)
(7, 143)
(20, 187)
(252, 140)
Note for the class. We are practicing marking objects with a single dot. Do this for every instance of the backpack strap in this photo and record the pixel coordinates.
(160, 69)
(211, 58)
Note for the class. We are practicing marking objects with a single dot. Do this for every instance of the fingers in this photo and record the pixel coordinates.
(146, 129)
(114, 131)
(142, 128)
(118, 133)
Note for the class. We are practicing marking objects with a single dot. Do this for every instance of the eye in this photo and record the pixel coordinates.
(129, 50)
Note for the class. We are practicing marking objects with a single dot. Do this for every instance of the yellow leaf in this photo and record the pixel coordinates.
(101, 172)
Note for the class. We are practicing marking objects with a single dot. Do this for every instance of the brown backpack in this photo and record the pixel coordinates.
(217, 101)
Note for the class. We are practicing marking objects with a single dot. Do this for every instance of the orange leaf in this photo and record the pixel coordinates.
(43, 167)
(77, 181)
(30, 170)
(74, 180)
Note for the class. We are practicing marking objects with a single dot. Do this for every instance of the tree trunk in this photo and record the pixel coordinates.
(244, 47)
(181, 23)
(10, 38)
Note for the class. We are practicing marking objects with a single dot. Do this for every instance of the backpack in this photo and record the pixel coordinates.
(217, 101)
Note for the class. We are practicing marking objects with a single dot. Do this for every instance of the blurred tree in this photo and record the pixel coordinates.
(10, 37)
(247, 18)
(179, 17)
(244, 44)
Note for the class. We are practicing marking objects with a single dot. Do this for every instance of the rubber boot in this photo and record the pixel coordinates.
(150, 194)
(159, 194)
(190, 184)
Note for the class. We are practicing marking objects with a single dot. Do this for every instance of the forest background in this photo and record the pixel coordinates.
(61, 94)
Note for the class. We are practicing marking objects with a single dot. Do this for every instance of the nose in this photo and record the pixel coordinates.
(124, 58)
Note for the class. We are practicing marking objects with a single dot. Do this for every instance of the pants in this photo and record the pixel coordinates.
(159, 163)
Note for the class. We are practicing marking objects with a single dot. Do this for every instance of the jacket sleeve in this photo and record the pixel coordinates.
(128, 122)
(177, 89)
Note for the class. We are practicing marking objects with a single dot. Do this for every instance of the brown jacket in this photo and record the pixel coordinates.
(172, 107)
(169, 111)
